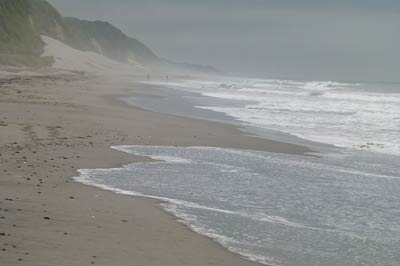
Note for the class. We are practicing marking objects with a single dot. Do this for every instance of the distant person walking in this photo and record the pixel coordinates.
(148, 76)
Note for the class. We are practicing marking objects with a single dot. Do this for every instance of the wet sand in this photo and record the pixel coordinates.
(53, 125)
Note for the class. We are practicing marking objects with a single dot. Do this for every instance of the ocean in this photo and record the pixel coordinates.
(364, 116)
(341, 208)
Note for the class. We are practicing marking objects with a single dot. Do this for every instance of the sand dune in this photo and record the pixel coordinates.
(69, 58)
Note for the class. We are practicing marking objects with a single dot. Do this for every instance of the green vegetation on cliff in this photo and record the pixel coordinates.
(23, 21)
(17, 32)
(21, 24)
(103, 38)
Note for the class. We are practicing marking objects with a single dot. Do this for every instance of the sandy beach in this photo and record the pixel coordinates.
(50, 126)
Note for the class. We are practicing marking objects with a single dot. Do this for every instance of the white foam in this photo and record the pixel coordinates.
(191, 222)
(170, 159)
(235, 186)
(171, 205)
(86, 178)
(341, 114)
(324, 85)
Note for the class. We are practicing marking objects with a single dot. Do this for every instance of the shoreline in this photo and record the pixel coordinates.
(238, 131)
(50, 128)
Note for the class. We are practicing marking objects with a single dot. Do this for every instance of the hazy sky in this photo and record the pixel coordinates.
(310, 39)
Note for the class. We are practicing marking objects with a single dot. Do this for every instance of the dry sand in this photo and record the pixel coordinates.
(51, 126)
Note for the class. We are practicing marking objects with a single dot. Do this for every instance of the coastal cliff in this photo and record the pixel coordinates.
(23, 22)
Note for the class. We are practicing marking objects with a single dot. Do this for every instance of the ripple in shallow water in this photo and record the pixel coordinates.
(276, 209)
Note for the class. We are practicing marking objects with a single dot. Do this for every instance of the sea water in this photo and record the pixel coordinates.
(340, 209)
(364, 116)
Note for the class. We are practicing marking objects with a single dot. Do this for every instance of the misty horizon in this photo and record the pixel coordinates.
(356, 41)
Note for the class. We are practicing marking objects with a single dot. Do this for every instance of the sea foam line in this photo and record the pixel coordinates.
(171, 205)
(174, 206)
(168, 206)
